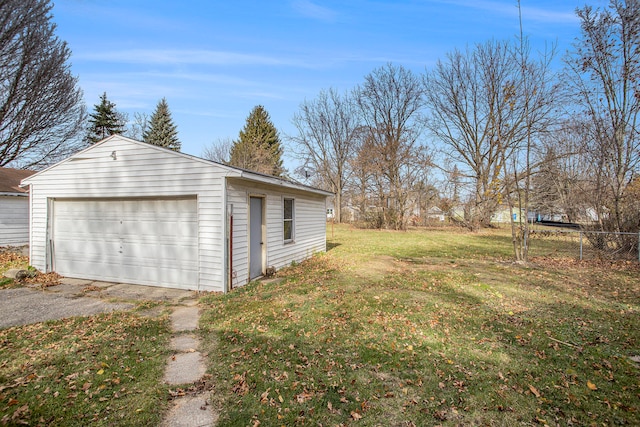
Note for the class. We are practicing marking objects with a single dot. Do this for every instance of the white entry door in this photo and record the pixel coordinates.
(141, 241)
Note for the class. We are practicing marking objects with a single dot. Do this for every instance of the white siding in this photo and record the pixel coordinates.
(137, 172)
(309, 226)
(14, 220)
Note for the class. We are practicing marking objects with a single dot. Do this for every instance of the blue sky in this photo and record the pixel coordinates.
(215, 60)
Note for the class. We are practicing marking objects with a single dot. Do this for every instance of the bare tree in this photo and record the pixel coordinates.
(139, 126)
(390, 103)
(219, 150)
(538, 99)
(360, 188)
(604, 76)
(41, 106)
(327, 140)
(486, 106)
(472, 97)
(562, 180)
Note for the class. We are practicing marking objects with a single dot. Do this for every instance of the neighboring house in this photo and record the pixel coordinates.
(14, 208)
(434, 213)
(131, 212)
(503, 215)
(330, 214)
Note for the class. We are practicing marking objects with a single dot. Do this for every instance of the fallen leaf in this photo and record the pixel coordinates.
(591, 385)
(356, 416)
(534, 390)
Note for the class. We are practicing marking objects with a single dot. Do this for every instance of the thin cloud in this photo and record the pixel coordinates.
(510, 9)
(195, 77)
(187, 57)
(203, 113)
(543, 15)
(260, 94)
(314, 11)
(135, 17)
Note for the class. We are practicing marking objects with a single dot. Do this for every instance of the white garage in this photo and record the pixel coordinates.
(130, 212)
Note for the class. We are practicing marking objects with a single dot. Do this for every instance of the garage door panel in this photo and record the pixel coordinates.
(152, 242)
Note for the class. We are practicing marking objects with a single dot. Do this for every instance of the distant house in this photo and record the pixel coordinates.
(330, 214)
(435, 214)
(125, 211)
(14, 207)
(504, 214)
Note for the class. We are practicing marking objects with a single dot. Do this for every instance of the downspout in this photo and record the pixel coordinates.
(231, 249)
(228, 246)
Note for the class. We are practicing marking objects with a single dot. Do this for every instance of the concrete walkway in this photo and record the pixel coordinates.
(186, 367)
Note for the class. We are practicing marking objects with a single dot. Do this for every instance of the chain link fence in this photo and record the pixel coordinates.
(584, 244)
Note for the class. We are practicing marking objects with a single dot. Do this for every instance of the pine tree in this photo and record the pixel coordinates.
(104, 121)
(162, 131)
(258, 146)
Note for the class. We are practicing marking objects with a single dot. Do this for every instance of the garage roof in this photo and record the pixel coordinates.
(233, 171)
(10, 181)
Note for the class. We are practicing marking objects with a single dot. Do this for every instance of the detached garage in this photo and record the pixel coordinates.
(14, 208)
(130, 212)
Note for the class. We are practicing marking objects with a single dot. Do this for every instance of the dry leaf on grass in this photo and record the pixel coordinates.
(534, 390)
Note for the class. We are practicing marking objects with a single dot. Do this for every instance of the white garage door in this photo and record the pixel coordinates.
(147, 242)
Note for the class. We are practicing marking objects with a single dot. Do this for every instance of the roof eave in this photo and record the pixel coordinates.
(265, 179)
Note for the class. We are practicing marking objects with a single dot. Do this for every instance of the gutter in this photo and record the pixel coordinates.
(15, 194)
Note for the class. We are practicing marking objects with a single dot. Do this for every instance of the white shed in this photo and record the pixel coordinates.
(14, 208)
(126, 211)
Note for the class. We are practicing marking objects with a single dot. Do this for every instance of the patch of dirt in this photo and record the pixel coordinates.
(378, 266)
(427, 264)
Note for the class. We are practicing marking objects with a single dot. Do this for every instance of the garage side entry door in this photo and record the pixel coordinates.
(140, 241)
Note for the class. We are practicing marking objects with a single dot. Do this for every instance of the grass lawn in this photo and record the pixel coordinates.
(103, 370)
(428, 327)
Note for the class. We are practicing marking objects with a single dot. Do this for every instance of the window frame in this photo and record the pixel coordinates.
(290, 221)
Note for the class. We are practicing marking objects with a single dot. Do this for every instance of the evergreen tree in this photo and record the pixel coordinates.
(162, 131)
(104, 121)
(258, 146)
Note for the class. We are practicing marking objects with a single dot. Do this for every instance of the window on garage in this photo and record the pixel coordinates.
(288, 225)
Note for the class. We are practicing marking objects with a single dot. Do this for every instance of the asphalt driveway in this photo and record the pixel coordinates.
(73, 297)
